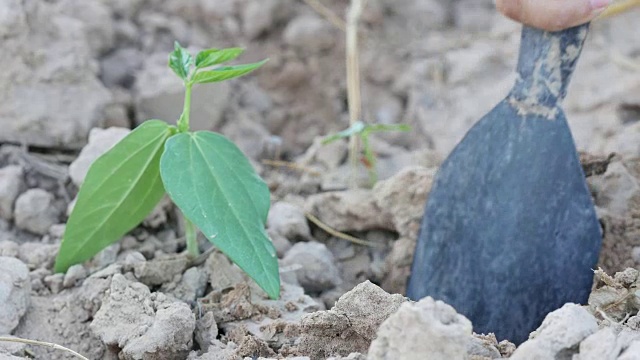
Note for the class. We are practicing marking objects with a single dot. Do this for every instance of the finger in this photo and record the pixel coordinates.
(552, 15)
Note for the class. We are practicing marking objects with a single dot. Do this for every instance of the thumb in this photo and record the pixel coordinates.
(552, 15)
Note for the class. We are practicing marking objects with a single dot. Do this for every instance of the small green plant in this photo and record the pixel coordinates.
(362, 131)
(204, 173)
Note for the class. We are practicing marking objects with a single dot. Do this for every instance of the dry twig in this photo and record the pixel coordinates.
(618, 8)
(337, 233)
(334, 19)
(42, 343)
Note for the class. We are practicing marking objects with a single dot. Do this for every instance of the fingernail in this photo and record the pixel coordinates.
(599, 4)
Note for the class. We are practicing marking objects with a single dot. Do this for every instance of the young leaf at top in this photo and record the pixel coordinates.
(210, 57)
(119, 191)
(226, 72)
(180, 61)
(215, 187)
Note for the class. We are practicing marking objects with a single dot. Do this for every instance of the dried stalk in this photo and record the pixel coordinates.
(42, 343)
(618, 8)
(353, 82)
(337, 233)
(327, 14)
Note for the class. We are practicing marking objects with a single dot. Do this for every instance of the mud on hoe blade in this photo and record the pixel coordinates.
(510, 231)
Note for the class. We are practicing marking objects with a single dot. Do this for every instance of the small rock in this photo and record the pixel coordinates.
(11, 183)
(258, 17)
(222, 273)
(9, 248)
(97, 20)
(281, 243)
(632, 352)
(143, 325)
(107, 272)
(309, 33)
(160, 271)
(118, 67)
(105, 257)
(560, 331)
(601, 345)
(403, 197)
(318, 270)
(219, 351)
(247, 132)
(37, 255)
(158, 215)
(37, 281)
(352, 210)
(57, 231)
(616, 189)
(426, 329)
(350, 325)
(15, 290)
(288, 220)
(169, 337)
(253, 97)
(100, 141)
(54, 282)
(191, 286)
(35, 211)
(206, 330)
(132, 259)
(75, 274)
(484, 346)
(627, 277)
(398, 265)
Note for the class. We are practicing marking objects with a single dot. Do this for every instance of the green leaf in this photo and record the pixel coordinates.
(357, 128)
(119, 191)
(210, 57)
(372, 128)
(180, 61)
(216, 188)
(226, 72)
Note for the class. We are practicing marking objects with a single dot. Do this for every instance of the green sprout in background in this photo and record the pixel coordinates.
(363, 131)
(205, 174)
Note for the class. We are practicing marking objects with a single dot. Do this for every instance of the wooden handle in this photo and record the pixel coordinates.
(546, 62)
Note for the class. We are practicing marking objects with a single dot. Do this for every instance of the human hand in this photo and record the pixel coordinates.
(552, 15)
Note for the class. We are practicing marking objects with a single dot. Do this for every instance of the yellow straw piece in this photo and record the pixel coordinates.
(618, 8)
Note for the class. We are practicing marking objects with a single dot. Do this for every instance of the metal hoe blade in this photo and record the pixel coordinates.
(510, 232)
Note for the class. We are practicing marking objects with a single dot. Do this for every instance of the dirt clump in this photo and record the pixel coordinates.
(424, 327)
(137, 324)
(349, 326)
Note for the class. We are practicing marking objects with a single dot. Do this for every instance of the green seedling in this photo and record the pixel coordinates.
(362, 131)
(204, 173)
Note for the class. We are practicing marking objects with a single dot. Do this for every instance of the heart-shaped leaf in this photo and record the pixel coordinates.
(119, 191)
(217, 189)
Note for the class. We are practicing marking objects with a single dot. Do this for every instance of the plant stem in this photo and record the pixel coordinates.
(183, 123)
(190, 234)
